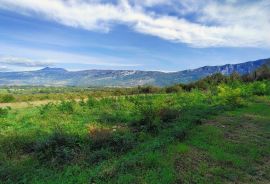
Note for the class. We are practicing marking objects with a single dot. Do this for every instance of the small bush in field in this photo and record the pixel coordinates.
(148, 118)
(109, 116)
(148, 89)
(122, 142)
(66, 106)
(82, 102)
(7, 98)
(43, 109)
(116, 140)
(98, 156)
(91, 102)
(173, 89)
(168, 115)
(58, 149)
(229, 96)
(3, 112)
(179, 133)
(99, 136)
(259, 88)
(152, 116)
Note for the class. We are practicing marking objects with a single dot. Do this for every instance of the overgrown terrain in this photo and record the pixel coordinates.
(213, 131)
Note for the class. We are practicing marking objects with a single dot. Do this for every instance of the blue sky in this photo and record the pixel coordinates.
(164, 35)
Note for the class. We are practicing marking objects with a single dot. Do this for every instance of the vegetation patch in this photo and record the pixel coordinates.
(230, 148)
(215, 130)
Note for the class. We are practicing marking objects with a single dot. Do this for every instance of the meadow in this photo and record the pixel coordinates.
(215, 132)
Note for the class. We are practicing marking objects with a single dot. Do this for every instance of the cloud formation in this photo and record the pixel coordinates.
(22, 62)
(198, 23)
(3, 69)
(25, 58)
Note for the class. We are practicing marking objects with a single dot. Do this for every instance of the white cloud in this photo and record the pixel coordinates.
(214, 23)
(149, 3)
(25, 57)
(23, 62)
(4, 69)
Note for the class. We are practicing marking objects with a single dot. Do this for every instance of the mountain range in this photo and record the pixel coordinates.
(117, 78)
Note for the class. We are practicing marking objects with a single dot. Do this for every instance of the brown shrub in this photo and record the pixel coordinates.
(97, 133)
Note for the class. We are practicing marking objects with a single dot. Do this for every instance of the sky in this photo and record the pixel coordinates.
(160, 35)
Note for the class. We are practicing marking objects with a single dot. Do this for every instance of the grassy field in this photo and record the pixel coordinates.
(42, 93)
(215, 136)
(231, 148)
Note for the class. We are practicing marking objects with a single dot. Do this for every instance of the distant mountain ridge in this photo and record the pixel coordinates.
(113, 78)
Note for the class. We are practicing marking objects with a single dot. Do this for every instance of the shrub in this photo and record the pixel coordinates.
(263, 72)
(168, 114)
(109, 116)
(228, 96)
(58, 149)
(106, 138)
(148, 89)
(91, 102)
(11, 173)
(122, 142)
(173, 89)
(118, 92)
(179, 133)
(259, 88)
(82, 102)
(235, 77)
(66, 106)
(207, 82)
(3, 112)
(148, 118)
(15, 145)
(43, 109)
(7, 98)
(98, 156)
(99, 136)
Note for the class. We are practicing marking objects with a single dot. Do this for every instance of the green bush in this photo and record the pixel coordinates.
(99, 137)
(122, 142)
(10, 174)
(168, 114)
(99, 155)
(7, 98)
(148, 89)
(15, 145)
(179, 133)
(227, 95)
(3, 112)
(66, 106)
(260, 88)
(115, 141)
(148, 118)
(43, 109)
(173, 89)
(91, 102)
(58, 149)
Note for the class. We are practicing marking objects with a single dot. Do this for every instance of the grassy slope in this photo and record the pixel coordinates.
(232, 147)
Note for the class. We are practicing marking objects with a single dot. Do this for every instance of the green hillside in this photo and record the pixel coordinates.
(197, 136)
